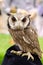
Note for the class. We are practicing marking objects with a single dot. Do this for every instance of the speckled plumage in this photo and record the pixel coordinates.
(27, 39)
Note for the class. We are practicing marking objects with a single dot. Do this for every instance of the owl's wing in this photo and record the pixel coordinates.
(31, 38)
(27, 37)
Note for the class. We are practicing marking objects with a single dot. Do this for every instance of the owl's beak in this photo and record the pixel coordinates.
(18, 27)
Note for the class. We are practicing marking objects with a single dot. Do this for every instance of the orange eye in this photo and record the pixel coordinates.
(13, 19)
(24, 19)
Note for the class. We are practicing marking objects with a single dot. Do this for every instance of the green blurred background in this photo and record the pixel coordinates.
(4, 45)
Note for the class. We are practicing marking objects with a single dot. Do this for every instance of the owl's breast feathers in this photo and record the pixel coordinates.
(28, 40)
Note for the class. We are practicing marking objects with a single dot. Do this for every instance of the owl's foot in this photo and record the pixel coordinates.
(29, 55)
(16, 52)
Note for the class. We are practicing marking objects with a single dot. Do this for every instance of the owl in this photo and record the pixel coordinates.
(24, 35)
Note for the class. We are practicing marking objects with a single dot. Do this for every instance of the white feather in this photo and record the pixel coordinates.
(25, 40)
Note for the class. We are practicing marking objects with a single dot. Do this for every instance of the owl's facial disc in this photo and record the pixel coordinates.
(18, 23)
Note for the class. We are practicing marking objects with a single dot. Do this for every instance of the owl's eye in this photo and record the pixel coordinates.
(13, 19)
(24, 19)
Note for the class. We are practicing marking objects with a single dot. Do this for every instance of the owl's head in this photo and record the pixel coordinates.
(18, 21)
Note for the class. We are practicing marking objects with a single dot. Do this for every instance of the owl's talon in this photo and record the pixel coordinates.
(29, 55)
(16, 52)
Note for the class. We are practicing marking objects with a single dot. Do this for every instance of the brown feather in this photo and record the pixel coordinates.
(32, 38)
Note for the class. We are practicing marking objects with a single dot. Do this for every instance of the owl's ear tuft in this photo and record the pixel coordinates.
(8, 14)
(32, 16)
(29, 15)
